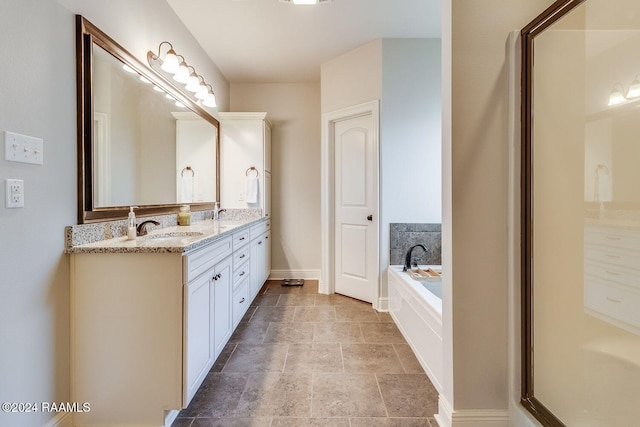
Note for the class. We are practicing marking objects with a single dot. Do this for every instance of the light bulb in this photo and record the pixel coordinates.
(634, 89)
(182, 74)
(616, 97)
(193, 83)
(128, 69)
(203, 91)
(210, 100)
(170, 63)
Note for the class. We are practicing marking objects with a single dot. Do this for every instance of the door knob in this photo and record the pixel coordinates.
(370, 217)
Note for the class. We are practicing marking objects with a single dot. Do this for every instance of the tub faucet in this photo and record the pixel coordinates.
(407, 259)
(141, 230)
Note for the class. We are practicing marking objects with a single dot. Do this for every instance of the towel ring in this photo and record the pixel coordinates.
(188, 168)
(252, 168)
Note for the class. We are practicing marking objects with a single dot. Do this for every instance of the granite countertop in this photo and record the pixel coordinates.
(205, 232)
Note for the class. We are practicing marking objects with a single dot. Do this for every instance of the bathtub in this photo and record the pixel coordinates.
(416, 308)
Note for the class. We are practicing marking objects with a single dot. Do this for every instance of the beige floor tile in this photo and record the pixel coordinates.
(249, 332)
(341, 300)
(390, 422)
(381, 332)
(385, 317)
(408, 359)
(309, 287)
(371, 358)
(232, 422)
(218, 396)
(337, 332)
(297, 299)
(276, 394)
(315, 314)
(289, 332)
(318, 357)
(310, 422)
(273, 314)
(271, 299)
(408, 395)
(355, 314)
(346, 395)
(257, 358)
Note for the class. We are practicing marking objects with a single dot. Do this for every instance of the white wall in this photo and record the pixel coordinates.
(475, 213)
(294, 110)
(38, 87)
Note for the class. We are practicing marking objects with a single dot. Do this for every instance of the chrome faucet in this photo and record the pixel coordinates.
(141, 229)
(407, 259)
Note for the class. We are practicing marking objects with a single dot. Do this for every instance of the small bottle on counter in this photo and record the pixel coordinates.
(184, 216)
(131, 225)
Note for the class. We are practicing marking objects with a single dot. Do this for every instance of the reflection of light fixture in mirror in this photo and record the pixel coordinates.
(128, 69)
(617, 95)
(180, 104)
(143, 79)
(634, 89)
(157, 89)
(210, 100)
(166, 95)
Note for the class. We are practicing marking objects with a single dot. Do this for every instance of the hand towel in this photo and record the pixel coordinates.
(251, 193)
(186, 188)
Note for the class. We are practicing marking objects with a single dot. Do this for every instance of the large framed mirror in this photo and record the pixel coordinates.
(581, 214)
(141, 141)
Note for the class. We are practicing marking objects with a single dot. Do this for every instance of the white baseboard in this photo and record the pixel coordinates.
(447, 417)
(62, 419)
(294, 274)
(383, 304)
(170, 417)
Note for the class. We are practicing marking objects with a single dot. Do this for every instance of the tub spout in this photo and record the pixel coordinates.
(407, 259)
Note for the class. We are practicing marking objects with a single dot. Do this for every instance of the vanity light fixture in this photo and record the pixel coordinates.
(617, 95)
(176, 66)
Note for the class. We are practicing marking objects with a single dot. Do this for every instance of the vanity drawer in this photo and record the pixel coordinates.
(241, 256)
(614, 237)
(260, 228)
(613, 256)
(241, 273)
(201, 260)
(240, 302)
(613, 301)
(240, 239)
(612, 273)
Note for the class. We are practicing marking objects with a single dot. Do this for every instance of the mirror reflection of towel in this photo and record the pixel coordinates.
(251, 194)
(186, 188)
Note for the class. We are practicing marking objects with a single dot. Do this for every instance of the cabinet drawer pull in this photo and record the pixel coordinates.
(241, 301)
(613, 238)
(241, 274)
(242, 256)
(617, 301)
(267, 237)
(260, 242)
(612, 273)
(613, 256)
(242, 238)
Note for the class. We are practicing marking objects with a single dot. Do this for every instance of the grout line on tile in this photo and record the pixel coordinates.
(404, 368)
(381, 396)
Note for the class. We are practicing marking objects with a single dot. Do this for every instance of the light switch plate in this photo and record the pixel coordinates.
(23, 148)
(14, 193)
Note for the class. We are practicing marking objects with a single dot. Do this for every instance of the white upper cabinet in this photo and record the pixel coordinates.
(245, 152)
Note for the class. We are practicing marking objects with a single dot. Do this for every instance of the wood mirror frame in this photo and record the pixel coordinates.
(88, 35)
(547, 18)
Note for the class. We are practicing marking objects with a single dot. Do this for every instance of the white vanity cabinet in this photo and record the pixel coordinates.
(146, 327)
(260, 255)
(245, 143)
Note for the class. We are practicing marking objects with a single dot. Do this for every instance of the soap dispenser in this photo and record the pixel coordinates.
(131, 226)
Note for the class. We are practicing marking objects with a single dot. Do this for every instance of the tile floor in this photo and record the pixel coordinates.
(299, 359)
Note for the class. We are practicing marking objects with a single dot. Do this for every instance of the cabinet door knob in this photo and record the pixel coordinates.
(370, 218)
(260, 242)
(241, 274)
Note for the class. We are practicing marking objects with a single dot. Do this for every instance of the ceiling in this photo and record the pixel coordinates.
(266, 41)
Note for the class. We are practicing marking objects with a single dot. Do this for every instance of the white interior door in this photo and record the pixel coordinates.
(356, 207)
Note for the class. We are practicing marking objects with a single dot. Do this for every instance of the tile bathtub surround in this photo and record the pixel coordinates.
(404, 235)
(83, 234)
(301, 359)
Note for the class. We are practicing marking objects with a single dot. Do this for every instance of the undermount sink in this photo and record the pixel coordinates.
(171, 235)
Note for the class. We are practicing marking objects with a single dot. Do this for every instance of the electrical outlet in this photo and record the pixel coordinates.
(14, 193)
